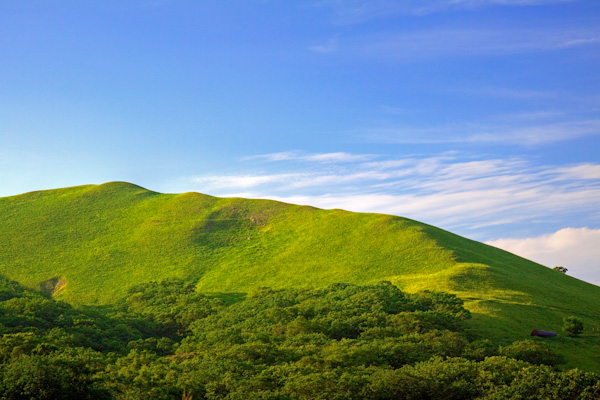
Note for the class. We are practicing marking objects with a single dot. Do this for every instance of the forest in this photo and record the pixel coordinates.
(165, 340)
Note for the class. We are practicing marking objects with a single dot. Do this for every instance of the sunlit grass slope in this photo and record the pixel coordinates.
(89, 244)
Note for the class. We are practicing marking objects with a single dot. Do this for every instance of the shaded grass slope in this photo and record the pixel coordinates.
(89, 244)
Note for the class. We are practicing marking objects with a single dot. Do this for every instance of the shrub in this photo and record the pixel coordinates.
(573, 326)
(531, 351)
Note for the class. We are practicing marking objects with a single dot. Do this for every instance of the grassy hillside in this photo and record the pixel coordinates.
(89, 244)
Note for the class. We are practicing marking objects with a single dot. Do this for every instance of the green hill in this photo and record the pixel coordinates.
(89, 244)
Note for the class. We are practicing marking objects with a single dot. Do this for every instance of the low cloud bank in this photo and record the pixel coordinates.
(577, 249)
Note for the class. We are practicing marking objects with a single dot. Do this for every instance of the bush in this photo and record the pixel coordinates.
(560, 269)
(572, 326)
(531, 351)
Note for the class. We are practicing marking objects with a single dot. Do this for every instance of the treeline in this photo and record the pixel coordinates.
(166, 341)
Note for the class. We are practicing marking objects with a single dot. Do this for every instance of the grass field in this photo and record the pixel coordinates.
(89, 244)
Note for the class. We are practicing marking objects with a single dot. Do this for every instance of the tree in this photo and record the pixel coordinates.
(69, 374)
(573, 326)
(531, 351)
(561, 269)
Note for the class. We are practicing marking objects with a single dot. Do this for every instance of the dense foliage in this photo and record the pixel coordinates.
(166, 341)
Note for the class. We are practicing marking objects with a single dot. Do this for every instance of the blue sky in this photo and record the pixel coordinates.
(481, 117)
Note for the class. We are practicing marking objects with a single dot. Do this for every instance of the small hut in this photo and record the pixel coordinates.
(537, 332)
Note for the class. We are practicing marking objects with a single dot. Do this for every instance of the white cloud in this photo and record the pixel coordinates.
(577, 249)
(336, 157)
(445, 191)
(281, 156)
(435, 43)
(243, 181)
(330, 47)
(579, 42)
(582, 171)
(473, 209)
(358, 11)
(538, 134)
(512, 93)
(525, 135)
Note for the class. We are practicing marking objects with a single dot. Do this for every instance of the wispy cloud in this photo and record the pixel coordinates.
(336, 157)
(525, 134)
(582, 171)
(574, 248)
(244, 181)
(359, 11)
(583, 41)
(443, 42)
(329, 47)
(511, 93)
(448, 191)
(289, 181)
